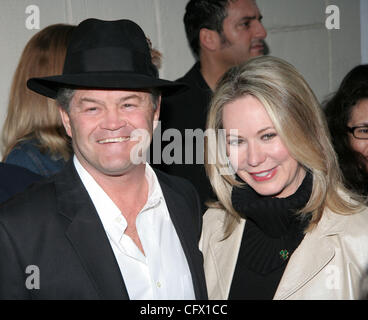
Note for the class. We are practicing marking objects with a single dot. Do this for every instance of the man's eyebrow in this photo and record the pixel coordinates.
(86, 99)
(260, 17)
(131, 96)
(101, 102)
(248, 17)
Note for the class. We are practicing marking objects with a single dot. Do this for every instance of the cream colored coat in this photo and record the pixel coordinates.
(329, 263)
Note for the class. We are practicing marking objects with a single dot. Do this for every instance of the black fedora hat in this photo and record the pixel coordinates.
(106, 55)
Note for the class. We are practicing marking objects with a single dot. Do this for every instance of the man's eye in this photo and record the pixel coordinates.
(246, 24)
(128, 105)
(91, 109)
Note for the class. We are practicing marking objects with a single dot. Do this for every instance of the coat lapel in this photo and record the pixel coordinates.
(308, 260)
(178, 210)
(87, 236)
(225, 254)
(313, 254)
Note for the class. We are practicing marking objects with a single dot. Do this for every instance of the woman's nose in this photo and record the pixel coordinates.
(255, 154)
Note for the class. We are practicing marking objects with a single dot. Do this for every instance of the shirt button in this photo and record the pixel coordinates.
(158, 283)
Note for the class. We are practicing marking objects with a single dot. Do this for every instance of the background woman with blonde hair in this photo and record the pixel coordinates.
(284, 226)
(33, 136)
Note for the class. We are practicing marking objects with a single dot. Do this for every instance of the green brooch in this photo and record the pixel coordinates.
(284, 254)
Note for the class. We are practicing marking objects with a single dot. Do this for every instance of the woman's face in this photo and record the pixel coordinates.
(359, 117)
(256, 152)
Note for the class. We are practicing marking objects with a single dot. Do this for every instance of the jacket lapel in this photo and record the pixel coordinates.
(308, 260)
(313, 254)
(178, 210)
(225, 254)
(87, 235)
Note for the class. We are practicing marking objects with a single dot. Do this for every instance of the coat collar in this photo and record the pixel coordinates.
(87, 235)
(226, 252)
(317, 247)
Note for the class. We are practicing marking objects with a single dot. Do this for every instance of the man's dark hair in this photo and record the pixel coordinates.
(200, 14)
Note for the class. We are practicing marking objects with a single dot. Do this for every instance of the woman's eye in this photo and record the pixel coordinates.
(235, 142)
(363, 130)
(268, 136)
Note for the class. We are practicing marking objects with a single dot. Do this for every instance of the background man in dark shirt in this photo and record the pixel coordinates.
(221, 34)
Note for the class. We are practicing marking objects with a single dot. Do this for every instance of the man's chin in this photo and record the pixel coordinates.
(257, 53)
(116, 171)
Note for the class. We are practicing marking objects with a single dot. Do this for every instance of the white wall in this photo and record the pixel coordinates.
(296, 32)
(364, 30)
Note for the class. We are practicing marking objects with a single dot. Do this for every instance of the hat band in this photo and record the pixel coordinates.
(108, 59)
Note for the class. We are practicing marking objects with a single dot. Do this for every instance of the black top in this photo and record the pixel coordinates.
(271, 234)
(187, 110)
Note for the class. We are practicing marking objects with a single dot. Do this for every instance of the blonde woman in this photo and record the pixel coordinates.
(33, 136)
(284, 226)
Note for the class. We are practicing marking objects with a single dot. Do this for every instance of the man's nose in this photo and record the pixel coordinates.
(114, 120)
(259, 30)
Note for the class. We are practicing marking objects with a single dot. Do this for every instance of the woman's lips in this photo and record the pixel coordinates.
(263, 175)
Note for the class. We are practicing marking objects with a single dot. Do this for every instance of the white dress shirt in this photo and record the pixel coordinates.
(163, 272)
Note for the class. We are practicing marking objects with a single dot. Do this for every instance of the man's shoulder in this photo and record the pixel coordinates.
(176, 183)
(194, 79)
(181, 187)
(190, 75)
(32, 202)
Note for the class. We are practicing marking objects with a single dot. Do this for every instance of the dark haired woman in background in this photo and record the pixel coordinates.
(347, 116)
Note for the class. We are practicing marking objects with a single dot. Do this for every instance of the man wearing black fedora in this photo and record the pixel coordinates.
(108, 226)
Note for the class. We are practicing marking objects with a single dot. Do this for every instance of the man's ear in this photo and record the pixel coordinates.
(66, 121)
(209, 39)
(156, 114)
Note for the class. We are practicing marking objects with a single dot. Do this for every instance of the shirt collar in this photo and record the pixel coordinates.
(107, 210)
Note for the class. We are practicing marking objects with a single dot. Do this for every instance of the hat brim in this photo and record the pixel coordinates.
(49, 86)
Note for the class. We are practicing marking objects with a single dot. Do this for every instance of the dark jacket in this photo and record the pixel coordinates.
(14, 179)
(55, 227)
(188, 110)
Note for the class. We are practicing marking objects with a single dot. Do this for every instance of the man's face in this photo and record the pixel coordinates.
(102, 125)
(243, 33)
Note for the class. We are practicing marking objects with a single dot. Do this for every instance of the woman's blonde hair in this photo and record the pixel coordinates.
(31, 115)
(300, 123)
